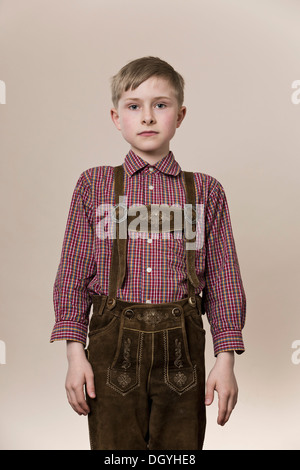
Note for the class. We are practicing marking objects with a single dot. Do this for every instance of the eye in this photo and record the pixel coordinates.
(161, 105)
(133, 107)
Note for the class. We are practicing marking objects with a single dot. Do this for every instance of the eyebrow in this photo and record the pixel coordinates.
(155, 98)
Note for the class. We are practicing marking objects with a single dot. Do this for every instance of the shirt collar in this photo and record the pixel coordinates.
(167, 164)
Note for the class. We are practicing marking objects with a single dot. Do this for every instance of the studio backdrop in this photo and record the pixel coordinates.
(241, 63)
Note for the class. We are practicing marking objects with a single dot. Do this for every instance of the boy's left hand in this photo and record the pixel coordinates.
(222, 379)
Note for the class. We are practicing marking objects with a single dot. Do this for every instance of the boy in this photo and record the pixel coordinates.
(143, 370)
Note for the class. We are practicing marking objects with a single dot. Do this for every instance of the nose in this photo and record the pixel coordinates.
(148, 116)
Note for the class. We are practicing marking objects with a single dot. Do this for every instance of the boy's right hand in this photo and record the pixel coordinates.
(80, 373)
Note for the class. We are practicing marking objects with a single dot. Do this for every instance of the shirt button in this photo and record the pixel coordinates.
(151, 187)
(149, 240)
(151, 168)
(148, 301)
(149, 270)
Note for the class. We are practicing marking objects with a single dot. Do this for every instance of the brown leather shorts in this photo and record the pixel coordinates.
(148, 363)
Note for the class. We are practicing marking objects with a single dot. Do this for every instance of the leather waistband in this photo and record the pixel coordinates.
(185, 306)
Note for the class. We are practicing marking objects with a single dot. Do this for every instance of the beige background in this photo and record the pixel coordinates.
(239, 59)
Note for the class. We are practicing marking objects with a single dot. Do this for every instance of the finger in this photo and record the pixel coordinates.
(230, 407)
(72, 402)
(81, 401)
(223, 408)
(210, 390)
(90, 385)
(226, 406)
(77, 400)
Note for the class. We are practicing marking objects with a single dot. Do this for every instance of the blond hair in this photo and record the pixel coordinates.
(137, 71)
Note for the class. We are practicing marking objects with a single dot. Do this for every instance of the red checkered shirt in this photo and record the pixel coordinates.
(156, 267)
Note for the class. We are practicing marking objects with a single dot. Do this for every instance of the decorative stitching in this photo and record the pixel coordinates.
(126, 354)
(178, 376)
(178, 361)
(124, 379)
(152, 316)
(138, 370)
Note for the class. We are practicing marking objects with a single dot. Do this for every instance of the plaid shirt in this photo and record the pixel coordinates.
(156, 268)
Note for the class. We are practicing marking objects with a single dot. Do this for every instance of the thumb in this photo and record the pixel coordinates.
(90, 386)
(209, 396)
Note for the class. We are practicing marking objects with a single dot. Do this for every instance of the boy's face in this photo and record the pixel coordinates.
(148, 117)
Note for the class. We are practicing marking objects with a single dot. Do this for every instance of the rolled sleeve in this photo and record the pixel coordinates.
(69, 330)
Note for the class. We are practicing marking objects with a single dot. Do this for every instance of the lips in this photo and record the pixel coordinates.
(148, 133)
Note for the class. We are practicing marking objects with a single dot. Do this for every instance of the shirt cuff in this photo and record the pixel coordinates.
(69, 330)
(229, 340)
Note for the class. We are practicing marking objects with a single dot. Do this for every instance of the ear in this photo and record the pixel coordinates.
(181, 116)
(115, 118)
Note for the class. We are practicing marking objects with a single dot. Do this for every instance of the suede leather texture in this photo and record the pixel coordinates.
(148, 362)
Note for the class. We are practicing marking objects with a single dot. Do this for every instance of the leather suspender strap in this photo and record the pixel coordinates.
(121, 212)
(119, 246)
(190, 254)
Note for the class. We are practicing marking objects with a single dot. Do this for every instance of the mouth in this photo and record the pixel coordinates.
(148, 133)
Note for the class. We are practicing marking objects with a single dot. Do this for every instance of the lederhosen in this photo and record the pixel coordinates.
(148, 360)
